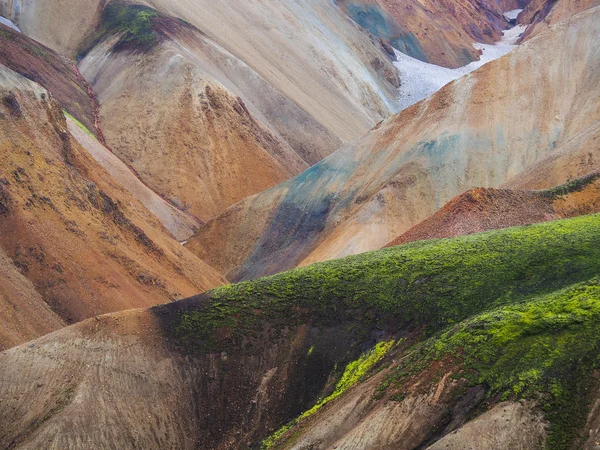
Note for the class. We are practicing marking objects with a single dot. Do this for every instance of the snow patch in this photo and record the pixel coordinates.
(420, 79)
(9, 23)
(512, 14)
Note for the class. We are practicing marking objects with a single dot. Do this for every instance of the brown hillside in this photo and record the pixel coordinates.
(84, 242)
(482, 209)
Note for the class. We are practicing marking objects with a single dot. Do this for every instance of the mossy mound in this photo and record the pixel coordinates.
(546, 349)
(514, 307)
(135, 24)
(428, 284)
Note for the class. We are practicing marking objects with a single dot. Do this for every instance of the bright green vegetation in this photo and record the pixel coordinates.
(514, 308)
(78, 123)
(430, 283)
(134, 23)
(353, 373)
(545, 349)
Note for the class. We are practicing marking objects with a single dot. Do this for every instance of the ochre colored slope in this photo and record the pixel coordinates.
(57, 74)
(85, 243)
(186, 136)
(483, 209)
(538, 15)
(180, 224)
(23, 313)
(481, 130)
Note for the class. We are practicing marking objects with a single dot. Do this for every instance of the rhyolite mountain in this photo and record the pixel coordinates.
(76, 235)
(533, 113)
(153, 151)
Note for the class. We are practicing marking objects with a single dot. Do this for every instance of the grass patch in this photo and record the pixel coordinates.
(513, 307)
(78, 123)
(429, 283)
(571, 186)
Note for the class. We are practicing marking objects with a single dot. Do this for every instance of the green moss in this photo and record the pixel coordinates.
(78, 123)
(505, 304)
(353, 373)
(430, 283)
(545, 349)
(134, 24)
(572, 186)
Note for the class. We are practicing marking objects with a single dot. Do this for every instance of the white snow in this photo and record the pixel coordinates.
(512, 14)
(8, 23)
(420, 79)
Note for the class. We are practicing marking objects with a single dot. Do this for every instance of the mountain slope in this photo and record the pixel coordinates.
(57, 74)
(239, 109)
(85, 243)
(441, 32)
(481, 130)
(225, 369)
(23, 313)
(538, 15)
(481, 209)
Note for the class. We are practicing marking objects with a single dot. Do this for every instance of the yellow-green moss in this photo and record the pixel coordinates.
(78, 123)
(353, 373)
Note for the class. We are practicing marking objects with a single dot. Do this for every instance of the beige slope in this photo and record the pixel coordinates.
(87, 245)
(184, 134)
(180, 224)
(308, 50)
(59, 24)
(120, 374)
(23, 313)
(481, 130)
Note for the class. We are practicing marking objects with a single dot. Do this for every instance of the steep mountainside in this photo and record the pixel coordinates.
(63, 80)
(481, 130)
(242, 101)
(538, 15)
(227, 369)
(488, 209)
(23, 313)
(57, 74)
(83, 241)
(439, 32)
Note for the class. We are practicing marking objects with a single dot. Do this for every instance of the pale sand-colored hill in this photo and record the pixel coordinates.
(231, 103)
(535, 104)
(83, 241)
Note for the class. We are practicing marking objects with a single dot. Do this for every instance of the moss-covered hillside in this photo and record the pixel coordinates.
(515, 308)
(430, 284)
